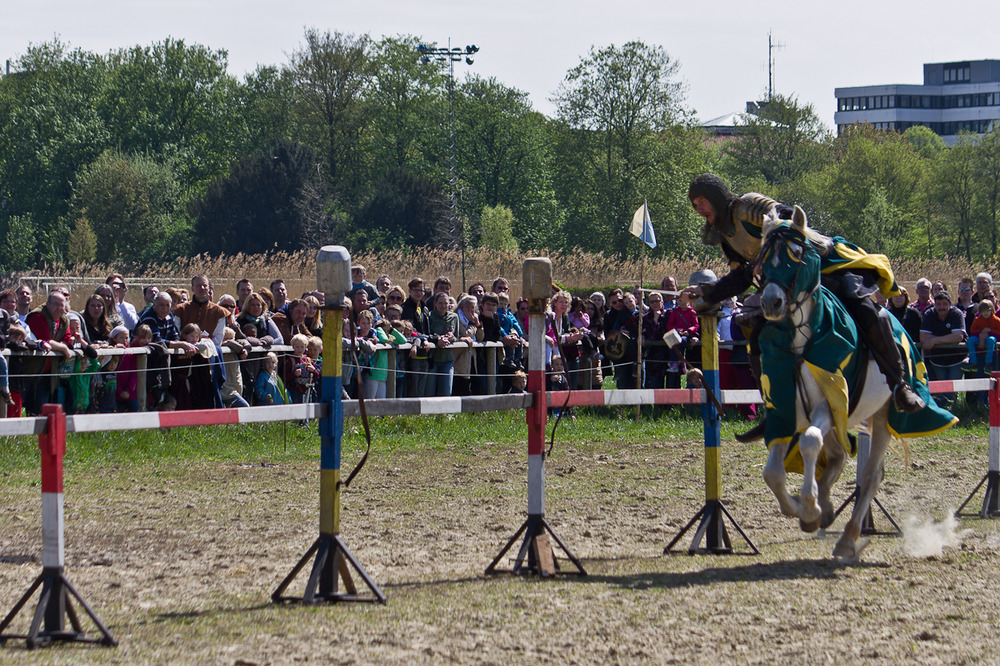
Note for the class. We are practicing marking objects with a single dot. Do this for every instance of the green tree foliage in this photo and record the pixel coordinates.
(20, 247)
(262, 204)
(330, 74)
(988, 187)
(504, 159)
(621, 140)
(82, 248)
(130, 203)
(496, 226)
(924, 141)
(955, 180)
(778, 143)
(404, 212)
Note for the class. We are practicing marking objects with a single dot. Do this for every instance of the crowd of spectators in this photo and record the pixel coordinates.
(260, 347)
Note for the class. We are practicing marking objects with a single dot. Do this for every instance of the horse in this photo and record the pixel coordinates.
(810, 353)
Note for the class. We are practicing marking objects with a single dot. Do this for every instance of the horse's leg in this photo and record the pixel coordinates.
(868, 482)
(774, 477)
(836, 458)
(810, 444)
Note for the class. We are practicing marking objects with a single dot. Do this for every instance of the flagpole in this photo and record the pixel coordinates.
(642, 267)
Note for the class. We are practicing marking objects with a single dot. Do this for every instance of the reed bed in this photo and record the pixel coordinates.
(572, 269)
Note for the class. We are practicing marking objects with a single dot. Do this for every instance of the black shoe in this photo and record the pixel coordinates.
(754, 433)
(906, 400)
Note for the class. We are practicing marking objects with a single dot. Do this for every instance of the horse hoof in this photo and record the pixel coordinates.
(850, 550)
(809, 526)
(827, 520)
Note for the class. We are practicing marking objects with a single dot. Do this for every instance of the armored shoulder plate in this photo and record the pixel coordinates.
(748, 214)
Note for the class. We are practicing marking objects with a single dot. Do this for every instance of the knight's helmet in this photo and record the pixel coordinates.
(717, 194)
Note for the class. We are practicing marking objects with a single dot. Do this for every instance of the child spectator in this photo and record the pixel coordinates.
(128, 378)
(232, 388)
(376, 370)
(518, 381)
(267, 389)
(315, 351)
(298, 371)
(982, 335)
(512, 335)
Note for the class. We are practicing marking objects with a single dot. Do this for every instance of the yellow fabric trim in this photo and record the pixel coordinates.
(861, 259)
(834, 387)
(926, 433)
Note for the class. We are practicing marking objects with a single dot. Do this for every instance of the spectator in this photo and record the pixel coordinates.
(298, 372)
(669, 283)
(511, 333)
(210, 318)
(232, 388)
(293, 320)
(24, 297)
(314, 315)
(191, 383)
(358, 282)
(965, 302)
(254, 314)
(654, 325)
(129, 399)
(937, 287)
(95, 322)
(522, 315)
(566, 339)
(416, 313)
(489, 331)
(923, 302)
(279, 295)
(8, 301)
(983, 337)
(684, 320)
(268, 300)
(382, 285)
(50, 327)
(597, 298)
(443, 331)
(243, 289)
(907, 316)
(148, 294)
(266, 389)
(501, 286)
(441, 285)
(110, 309)
(464, 364)
(943, 325)
(376, 371)
(478, 289)
(984, 288)
(124, 309)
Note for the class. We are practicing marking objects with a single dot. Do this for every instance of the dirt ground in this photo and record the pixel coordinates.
(179, 560)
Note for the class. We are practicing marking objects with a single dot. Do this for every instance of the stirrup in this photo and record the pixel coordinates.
(906, 400)
(753, 434)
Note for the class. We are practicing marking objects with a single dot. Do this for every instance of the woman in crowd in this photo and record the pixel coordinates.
(443, 331)
(110, 311)
(254, 318)
(96, 321)
(292, 323)
(314, 315)
(654, 325)
(465, 359)
(899, 306)
(566, 339)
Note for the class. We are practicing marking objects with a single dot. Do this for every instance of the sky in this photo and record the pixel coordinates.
(721, 46)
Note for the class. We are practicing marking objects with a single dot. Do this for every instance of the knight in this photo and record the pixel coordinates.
(736, 224)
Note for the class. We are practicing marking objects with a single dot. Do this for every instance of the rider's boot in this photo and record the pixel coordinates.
(881, 340)
(756, 432)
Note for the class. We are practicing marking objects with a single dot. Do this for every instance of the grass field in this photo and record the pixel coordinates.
(177, 539)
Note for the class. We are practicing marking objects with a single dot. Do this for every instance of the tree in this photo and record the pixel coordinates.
(330, 74)
(955, 188)
(988, 185)
(496, 225)
(20, 244)
(778, 142)
(259, 205)
(621, 140)
(82, 248)
(130, 203)
(925, 141)
(504, 159)
(405, 211)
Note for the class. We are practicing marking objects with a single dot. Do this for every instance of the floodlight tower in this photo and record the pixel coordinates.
(451, 56)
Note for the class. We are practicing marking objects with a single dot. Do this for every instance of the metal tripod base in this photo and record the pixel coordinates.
(867, 523)
(712, 528)
(54, 605)
(536, 555)
(991, 499)
(333, 563)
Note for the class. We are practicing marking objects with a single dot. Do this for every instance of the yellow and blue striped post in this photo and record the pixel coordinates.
(333, 561)
(711, 517)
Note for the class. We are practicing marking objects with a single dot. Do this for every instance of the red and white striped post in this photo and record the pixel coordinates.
(54, 600)
(991, 498)
(536, 554)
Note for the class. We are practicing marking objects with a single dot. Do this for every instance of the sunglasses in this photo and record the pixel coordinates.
(118, 285)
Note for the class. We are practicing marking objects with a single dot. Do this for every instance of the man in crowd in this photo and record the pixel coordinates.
(211, 318)
(941, 325)
(280, 294)
(24, 295)
(984, 288)
(50, 326)
(125, 309)
(148, 295)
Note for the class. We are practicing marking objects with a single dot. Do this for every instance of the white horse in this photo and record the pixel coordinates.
(790, 273)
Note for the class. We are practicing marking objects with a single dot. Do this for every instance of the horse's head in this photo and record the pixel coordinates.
(789, 267)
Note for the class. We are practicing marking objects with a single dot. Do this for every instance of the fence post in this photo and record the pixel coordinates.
(334, 560)
(991, 497)
(536, 554)
(54, 601)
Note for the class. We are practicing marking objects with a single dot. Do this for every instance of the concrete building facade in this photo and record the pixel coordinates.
(955, 97)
